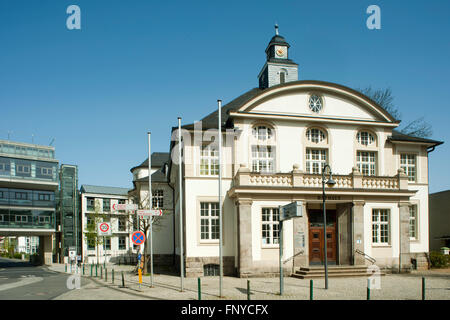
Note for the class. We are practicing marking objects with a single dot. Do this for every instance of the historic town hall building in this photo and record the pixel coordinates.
(279, 137)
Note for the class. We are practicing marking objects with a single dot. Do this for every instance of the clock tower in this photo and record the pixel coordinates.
(278, 68)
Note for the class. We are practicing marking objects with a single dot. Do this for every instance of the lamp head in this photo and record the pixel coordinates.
(330, 181)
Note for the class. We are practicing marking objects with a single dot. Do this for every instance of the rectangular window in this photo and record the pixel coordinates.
(91, 204)
(366, 162)
(158, 198)
(122, 243)
(44, 219)
(316, 159)
(413, 222)
(43, 197)
(209, 220)
(47, 171)
(108, 244)
(270, 226)
(22, 219)
(1, 195)
(122, 224)
(408, 164)
(21, 196)
(121, 201)
(209, 160)
(263, 159)
(380, 226)
(1, 218)
(91, 244)
(106, 205)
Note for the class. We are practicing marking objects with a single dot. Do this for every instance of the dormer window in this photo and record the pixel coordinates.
(365, 138)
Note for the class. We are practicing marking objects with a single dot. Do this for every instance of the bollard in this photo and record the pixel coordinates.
(101, 272)
(248, 290)
(106, 274)
(368, 289)
(311, 290)
(199, 289)
(96, 270)
(83, 269)
(423, 288)
(92, 266)
(65, 267)
(123, 281)
(112, 276)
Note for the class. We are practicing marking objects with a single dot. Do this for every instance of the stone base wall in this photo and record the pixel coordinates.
(194, 265)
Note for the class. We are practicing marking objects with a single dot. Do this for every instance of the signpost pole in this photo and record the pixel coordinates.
(150, 204)
(219, 102)
(281, 256)
(180, 171)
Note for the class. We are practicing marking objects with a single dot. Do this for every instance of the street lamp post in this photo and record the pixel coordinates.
(330, 183)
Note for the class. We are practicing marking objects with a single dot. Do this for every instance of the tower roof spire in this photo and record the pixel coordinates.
(276, 28)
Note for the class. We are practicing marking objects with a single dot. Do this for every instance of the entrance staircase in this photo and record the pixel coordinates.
(313, 272)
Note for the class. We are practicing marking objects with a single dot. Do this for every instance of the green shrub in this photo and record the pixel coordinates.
(439, 260)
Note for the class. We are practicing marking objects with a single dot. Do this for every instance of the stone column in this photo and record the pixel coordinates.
(46, 249)
(404, 254)
(358, 232)
(244, 236)
(301, 240)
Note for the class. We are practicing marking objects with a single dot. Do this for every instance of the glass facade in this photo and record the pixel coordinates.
(26, 150)
(28, 169)
(29, 219)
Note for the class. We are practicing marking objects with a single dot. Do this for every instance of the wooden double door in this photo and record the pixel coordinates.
(316, 237)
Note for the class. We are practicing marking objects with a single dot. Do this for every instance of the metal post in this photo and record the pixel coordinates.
(368, 289)
(92, 266)
(325, 228)
(281, 258)
(219, 103)
(311, 290)
(423, 288)
(123, 281)
(199, 289)
(83, 269)
(150, 205)
(101, 272)
(112, 276)
(248, 290)
(180, 171)
(96, 270)
(65, 267)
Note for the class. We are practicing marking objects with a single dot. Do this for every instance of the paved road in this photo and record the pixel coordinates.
(20, 280)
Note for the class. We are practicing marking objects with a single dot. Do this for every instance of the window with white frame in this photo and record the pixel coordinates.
(315, 135)
(209, 160)
(380, 226)
(316, 159)
(270, 226)
(44, 197)
(46, 171)
(158, 198)
(262, 159)
(122, 243)
(413, 221)
(366, 162)
(209, 221)
(263, 149)
(408, 164)
(122, 224)
(107, 244)
(21, 219)
(44, 219)
(365, 138)
(23, 168)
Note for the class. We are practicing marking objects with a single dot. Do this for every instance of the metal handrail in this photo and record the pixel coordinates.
(366, 256)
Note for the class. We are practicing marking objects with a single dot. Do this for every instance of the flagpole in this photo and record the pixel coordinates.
(180, 171)
(219, 102)
(150, 202)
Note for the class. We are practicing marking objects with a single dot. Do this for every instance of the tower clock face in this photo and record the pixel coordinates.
(280, 52)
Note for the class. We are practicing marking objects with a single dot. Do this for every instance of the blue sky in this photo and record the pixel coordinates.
(137, 65)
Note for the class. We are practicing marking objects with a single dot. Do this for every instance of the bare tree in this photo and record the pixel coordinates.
(417, 128)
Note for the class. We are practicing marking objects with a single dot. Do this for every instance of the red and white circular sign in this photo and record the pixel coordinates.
(104, 227)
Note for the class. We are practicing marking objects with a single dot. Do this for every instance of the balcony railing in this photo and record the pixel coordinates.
(297, 178)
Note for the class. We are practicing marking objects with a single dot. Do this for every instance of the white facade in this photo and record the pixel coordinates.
(118, 247)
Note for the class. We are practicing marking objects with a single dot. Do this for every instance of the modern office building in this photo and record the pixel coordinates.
(97, 206)
(439, 220)
(28, 182)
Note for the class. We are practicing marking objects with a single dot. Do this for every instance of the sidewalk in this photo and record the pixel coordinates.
(167, 287)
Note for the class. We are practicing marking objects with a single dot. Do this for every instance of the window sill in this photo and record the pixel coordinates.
(270, 246)
(381, 246)
(209, 243)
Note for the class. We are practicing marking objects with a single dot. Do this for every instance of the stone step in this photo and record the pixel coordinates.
(332, 275)
(336, 269)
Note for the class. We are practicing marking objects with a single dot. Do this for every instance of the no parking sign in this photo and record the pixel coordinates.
(138, 238)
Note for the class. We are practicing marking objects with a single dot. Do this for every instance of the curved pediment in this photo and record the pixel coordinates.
(338, 102)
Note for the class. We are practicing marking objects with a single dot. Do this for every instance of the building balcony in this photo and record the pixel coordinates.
(298, 180)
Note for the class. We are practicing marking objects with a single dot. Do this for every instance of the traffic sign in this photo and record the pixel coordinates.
(138, 238)
(104, 229)
(154, 212)
(291, 210)
(124, 206)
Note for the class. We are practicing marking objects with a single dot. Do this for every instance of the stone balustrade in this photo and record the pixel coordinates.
(296, 178)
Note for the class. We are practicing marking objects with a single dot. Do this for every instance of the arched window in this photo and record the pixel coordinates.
(263, 149)
(315, 135)
(365, 138)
